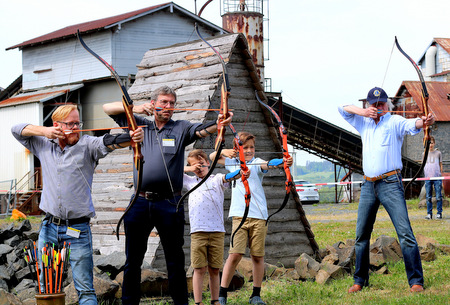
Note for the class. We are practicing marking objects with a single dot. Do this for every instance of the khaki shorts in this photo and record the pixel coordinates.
(254, 231)
(207, 249)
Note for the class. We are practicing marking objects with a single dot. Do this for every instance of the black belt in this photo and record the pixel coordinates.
(66, 222)
(153, 196)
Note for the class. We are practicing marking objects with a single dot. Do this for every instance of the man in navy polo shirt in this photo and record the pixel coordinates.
(163, 150)
(382, 137)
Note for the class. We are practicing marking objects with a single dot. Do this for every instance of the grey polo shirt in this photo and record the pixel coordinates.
(67, 174)
(170, 142)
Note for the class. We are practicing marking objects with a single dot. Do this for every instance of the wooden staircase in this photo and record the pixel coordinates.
(25, 198)
(28, 203)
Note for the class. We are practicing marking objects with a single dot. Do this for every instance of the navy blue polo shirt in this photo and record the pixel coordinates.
(171, 140)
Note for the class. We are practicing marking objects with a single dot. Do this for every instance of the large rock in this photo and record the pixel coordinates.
(112, 263)
(6, 273)
(329, 272)
(7, 298)
(306, 267)
(424, 241)
(153, 283)
(423, 203)
(104, 289)
(4, 250)
(26, 294)
(385, 249)
(245, 267)
(189, 276)
(444, 249)
(25, 226)
(8, 232)
(428, 254)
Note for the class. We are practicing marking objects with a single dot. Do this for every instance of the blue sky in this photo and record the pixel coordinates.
(321, 53)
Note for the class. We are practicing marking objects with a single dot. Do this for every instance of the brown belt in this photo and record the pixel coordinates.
(382, 176)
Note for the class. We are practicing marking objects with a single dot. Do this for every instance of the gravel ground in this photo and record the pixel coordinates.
(324, 212)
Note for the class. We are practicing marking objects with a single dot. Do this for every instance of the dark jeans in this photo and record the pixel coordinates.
(388, 192)
(80, 257)
(139, 222)
(438, 190)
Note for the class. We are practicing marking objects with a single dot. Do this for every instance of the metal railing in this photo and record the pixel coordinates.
(12, 197)
(6, 198)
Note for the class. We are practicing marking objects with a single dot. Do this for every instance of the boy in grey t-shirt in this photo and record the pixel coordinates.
(433, 168)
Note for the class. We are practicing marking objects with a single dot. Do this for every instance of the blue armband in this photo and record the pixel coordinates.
(275, 162)
(232, 175)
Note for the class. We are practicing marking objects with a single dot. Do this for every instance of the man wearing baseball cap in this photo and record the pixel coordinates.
(382, 138)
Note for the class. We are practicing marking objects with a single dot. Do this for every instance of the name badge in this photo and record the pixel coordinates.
(73, 232)
(169, 142)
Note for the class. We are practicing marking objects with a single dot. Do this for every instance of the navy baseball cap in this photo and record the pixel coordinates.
(377, 95)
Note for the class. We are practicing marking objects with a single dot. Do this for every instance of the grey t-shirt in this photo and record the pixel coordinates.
(432, 167)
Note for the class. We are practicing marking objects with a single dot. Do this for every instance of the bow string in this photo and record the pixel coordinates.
(220, 139)
(138, 159)
(283, 134)
(244, 168)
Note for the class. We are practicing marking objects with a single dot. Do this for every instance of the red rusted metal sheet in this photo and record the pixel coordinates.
(251, 25)
(86, 26)
(32, 97)
(444, 43)
(438, 102)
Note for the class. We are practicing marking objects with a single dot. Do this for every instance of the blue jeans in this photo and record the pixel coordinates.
(438, 190)
(389, 192)
(80, 258)
(139, 222)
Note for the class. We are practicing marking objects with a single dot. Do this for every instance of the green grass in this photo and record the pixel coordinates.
(386, 289)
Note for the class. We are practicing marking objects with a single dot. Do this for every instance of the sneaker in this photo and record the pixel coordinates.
(256, 300)
(222, 301)
(429, 216)
(439, 216)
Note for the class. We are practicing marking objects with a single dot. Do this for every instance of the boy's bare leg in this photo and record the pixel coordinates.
(197, 283)
(214, 282)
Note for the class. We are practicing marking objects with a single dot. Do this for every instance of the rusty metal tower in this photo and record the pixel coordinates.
(247, 17)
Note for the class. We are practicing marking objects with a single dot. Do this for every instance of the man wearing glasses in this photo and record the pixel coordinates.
(68, 162)
(162, 182)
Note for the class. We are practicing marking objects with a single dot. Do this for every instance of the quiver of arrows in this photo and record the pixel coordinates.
(49, 272)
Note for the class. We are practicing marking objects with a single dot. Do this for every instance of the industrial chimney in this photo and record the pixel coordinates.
(246, 17)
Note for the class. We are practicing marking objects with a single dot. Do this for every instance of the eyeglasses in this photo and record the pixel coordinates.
(72, 124)
(165, 102)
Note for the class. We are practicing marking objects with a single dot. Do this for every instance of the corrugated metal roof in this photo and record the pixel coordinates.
(438, 101)
(90, 26)
(39, 96)
(444, 43)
